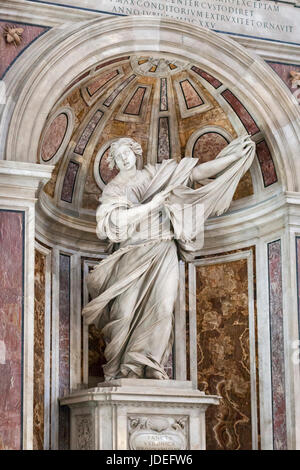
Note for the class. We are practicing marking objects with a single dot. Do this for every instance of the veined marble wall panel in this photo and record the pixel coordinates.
(101, 82)
(226, 354)
(266, 163)
(21, 35)
(42, 348)
(54, 137)
(192, 98)
(284, 72)
(164, 147)
(208, 145)
(244, 115)
(135, 104)
(106, 173)
(277, 346)
(207, 76)
(39, 350)
(298, 279)
(11, 328)
(64, 345)
(69, 182)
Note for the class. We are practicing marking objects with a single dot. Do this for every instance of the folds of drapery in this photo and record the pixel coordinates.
(214, 198)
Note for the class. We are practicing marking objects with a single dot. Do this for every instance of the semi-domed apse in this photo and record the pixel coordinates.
(174, 109)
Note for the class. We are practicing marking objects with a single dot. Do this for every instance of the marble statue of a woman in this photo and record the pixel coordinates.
(134, 289)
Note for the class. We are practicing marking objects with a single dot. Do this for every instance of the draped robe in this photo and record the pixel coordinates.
(135, 288)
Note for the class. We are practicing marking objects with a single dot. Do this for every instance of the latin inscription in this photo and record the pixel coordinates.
(258, 18)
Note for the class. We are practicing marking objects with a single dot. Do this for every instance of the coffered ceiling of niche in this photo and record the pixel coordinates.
(172, 108)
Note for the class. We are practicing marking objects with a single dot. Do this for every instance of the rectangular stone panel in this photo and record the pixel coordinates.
(88, 131)
(191, 97)
(266, 163)
(39, 351)
(108, 102)
(69, 182)
(277, 345)
(164, 150)
(135, 104)
(101, 81)
(298, 279)
(11, 328)
(243, 114)
(223, 354)
(64, 345)
(209, 78)
(163, 95)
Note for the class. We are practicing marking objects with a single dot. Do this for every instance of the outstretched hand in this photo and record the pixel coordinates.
(239, 147)
(247, 145)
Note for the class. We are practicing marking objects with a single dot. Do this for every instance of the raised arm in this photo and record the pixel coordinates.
(240, 147)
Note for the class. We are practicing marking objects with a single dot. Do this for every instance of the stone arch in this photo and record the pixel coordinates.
(58, 57)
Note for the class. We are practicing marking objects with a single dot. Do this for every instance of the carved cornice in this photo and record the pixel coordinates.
(42, 14)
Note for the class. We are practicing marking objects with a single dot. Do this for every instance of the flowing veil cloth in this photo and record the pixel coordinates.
(134, 289)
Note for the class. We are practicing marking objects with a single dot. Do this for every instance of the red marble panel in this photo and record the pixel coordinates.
(163, 151)
(64, 324)
(101, 82)
(54, 136)
(241, 111)
(223, 353)
(135, 104)
(209, 78)
(39, 351)
(69, 182)
(106, 174)
(277, 346)
(117, 91)
(191, 97)
(64, 345)
(88, 131)
(284, 72)
(266, 163)
(10, 52)
(163, 95)
(298, 277)
(208, 146)
(11, 328)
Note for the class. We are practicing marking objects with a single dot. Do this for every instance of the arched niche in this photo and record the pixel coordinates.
(56, 59)
(53, 64)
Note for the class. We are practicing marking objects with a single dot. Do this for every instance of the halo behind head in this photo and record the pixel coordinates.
(131, 143)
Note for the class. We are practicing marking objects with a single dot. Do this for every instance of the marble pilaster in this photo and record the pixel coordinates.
(19, 183)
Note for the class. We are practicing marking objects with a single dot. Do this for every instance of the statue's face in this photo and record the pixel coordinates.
(125, 158)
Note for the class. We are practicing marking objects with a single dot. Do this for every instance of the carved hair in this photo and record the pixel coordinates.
(132, 144)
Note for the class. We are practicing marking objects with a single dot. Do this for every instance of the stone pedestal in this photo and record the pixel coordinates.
(130, 414)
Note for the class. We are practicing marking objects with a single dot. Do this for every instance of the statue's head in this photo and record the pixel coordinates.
(124, 154)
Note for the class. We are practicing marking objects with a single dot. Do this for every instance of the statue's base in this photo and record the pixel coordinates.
(131, 414)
